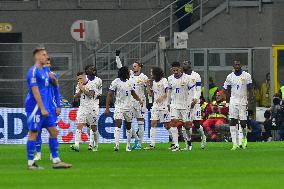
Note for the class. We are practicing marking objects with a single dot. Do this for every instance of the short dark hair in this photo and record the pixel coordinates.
(158, 73)
(80, 73)
(37, 50)
(237, 59)
(88, 66)
(176, 64)
(139, 63)
(123, 73)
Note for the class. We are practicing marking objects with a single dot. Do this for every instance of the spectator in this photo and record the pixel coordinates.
(265, 99)
(216, 112)
(212, 90)
(267, 134)
(184, 14)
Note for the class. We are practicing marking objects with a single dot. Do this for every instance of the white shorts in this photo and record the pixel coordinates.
(139, 112)
(88, 116)
(160, 115)
(122, 114)
(237, 111)
(180, 114)
(195, 113)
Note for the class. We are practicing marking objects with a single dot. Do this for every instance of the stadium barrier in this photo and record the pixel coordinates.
(14, 130)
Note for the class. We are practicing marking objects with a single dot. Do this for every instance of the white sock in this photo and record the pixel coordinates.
(233, 131)
(91, 142)
(134, 134)
(175, 135)
(56, 160)
(201, 131)
(30, 162)
(128, 136)
(116, 136)
(96, 138)
(170, 134)
(141, 131)
(240, 135)
(153, 136)
(184, 134)
(188, 134)
(78, 137)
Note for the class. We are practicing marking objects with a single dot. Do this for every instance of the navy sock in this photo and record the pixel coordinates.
(31, 149)
(53, 146)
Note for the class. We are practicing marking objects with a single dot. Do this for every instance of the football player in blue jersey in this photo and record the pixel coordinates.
(54, 105)
(37, 107)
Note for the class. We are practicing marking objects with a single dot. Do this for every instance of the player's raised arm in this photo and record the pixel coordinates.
(117, 59)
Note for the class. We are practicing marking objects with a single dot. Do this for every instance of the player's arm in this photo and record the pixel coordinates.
(165, 96)
(88, 92)
(117, 59)
(149, 88)
(249, 87)
(53, 79)
(136, 97)
(198, 84)
(227, 88)
(77, 93)
(38, 99)
(108, 100)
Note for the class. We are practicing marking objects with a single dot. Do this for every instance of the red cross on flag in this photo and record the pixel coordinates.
(78, 30)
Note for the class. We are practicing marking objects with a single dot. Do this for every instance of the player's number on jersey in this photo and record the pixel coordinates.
(36, 118)
(238, 87)
(126, 93)
(84, 96)
(177, 90)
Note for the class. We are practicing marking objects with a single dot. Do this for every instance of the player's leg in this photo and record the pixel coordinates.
(128, 116)
(186, 118)
(34, 124)
(38, 147)
(92, 119)
(94, 138)
(154, 123)
(53, 146)
(243, 123)
(166, 120)
(175, 117)
(234, 115)
(196, 117)
(118, 117)
(234, 132)
(81, 122)
(76, 146)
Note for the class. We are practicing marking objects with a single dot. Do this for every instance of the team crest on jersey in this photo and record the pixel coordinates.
(182, 83)
(139, 81)
(33, 80)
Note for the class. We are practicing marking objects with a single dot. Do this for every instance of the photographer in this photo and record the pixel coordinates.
(277, 116)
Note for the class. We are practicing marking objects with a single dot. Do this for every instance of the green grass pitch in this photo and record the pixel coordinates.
(261, 165)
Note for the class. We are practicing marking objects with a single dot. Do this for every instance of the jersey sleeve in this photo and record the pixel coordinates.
(145, 79)
(113, 86)
(198, 87)
(33, 77)
(92, 86)
(227, 83)
(249, 80)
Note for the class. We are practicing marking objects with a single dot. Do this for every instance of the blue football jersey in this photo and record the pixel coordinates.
(40, 78)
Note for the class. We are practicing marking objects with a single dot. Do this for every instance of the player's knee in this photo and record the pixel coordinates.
(33, 135)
